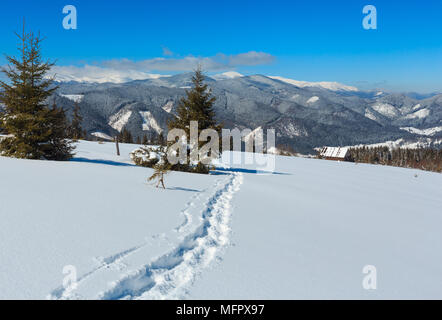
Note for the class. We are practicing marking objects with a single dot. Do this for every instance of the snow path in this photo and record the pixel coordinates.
(114, 261)
(168, 276)
(187, 215)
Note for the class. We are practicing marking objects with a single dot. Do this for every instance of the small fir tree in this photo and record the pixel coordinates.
(161, 168)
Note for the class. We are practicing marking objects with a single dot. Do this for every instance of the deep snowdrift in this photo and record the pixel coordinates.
(306, 231)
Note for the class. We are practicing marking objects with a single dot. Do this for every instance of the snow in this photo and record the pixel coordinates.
(418, 106)
(120, 119)
(273, 150)
(96, 213)
(313, 100)
(168, 106)
(333, 86)
(369, 114)
(74, 97)
(102, 135)
(253, 133)
(303, 231)
(149, 122)
(423, 132)
(227, 75)
(307, 233)
(168, 276)
(421, 114)
(292, 131)
(386, 109)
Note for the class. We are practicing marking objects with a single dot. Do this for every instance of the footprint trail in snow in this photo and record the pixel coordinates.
(169, 276)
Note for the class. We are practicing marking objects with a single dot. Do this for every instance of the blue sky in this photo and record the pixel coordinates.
(304, 40)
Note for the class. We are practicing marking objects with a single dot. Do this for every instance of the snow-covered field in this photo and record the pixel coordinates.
(305, 231)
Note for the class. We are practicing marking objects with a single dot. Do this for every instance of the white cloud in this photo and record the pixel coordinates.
(122, 70)
(251, 58)
(164, 64)
(88, 73)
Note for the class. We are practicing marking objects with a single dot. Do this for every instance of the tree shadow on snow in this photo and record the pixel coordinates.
(106, 162)
(183, 189)
(223, 171)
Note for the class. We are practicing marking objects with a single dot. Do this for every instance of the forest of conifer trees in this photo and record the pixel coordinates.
(422, 158)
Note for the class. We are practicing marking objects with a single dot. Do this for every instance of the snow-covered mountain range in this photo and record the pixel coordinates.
(304, 114)
(333, 86)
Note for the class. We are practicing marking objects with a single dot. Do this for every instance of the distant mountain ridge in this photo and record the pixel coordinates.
(333, 86)
(305, 115)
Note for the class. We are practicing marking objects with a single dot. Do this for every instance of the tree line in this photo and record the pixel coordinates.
(125, 136)
(428, 159)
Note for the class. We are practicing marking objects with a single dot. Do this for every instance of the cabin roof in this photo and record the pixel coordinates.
(334, 152)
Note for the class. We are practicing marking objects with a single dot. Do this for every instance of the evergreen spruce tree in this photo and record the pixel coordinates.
(196, 106)
(145, 141)
(36, 130)
(75, 129)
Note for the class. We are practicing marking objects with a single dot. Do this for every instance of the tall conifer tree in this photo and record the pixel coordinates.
(196, 106)
(75, 130)
(36, 130)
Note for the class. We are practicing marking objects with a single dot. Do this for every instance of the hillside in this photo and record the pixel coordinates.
(305, 231)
